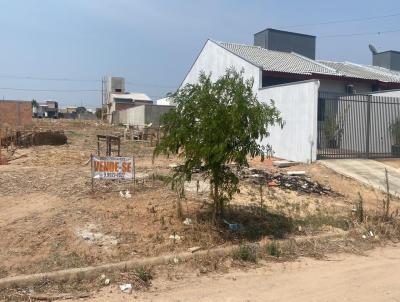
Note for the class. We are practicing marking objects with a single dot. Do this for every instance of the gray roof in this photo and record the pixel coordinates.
(285, 62)
(367, 72)
(272, 60)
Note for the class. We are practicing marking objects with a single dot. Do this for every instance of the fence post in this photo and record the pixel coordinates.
(91, 170)
(368, 126)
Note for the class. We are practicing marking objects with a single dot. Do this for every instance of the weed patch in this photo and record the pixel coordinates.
(144, 273)
(245, 253)
(273, 249)
(319, 220)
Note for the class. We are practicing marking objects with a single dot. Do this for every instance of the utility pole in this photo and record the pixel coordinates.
(102, 98)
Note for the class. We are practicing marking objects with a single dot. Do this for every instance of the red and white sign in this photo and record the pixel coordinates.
(109, 167)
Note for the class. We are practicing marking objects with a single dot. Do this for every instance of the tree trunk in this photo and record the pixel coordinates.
(216, 203)
(211, 196)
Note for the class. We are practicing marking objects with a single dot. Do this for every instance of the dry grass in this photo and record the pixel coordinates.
(46, 199)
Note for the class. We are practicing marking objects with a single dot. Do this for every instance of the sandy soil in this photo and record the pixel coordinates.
(340, 277)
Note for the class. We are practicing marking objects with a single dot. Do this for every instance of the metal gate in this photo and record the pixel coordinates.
(358, 126)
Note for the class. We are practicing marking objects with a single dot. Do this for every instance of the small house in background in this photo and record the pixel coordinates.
(46, 109)
(71, 109)
(117, 98)
(144, 115)
(124, 101)
(15, 113)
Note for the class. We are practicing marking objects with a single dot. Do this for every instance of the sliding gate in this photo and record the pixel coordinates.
(358, 126)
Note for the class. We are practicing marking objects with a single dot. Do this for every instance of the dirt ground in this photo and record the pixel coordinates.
(395, 163)
(345, 277)
(50, 219)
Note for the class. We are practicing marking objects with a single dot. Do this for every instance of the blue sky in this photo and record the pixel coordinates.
(152, 43)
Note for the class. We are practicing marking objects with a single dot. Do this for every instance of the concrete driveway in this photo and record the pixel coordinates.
(367, 171)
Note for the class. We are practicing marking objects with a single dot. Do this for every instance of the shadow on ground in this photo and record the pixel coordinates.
(256, 223)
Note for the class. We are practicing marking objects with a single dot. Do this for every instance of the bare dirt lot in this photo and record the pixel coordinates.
(50, 218)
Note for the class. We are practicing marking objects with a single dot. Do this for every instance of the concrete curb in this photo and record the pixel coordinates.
(92, 272)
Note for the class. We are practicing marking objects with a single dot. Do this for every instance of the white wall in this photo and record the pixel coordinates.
(298, 104)
(133, 116)
(387, 93)
(164, 102)
(142, 115)
(216, 59)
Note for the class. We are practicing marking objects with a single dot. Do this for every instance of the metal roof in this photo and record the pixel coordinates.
(367, 72)
(136, 96)
(276, 61)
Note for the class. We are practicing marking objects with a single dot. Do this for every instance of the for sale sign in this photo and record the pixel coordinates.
(109, 167)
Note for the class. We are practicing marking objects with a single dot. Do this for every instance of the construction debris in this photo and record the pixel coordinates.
(27, 138)
(194, 249)
(52, 138)
(296, 181)
(296, 173)
(283, 163)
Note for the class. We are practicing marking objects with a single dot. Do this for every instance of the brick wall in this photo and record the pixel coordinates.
(15, 113)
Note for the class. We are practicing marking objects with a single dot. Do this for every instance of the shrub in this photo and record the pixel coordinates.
(245, 253)
(144, 273)
(273, 249)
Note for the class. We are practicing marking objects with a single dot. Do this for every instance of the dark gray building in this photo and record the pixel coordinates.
(285, 41)
(388, 59)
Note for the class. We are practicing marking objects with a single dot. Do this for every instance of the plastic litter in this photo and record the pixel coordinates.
(175, 237)
(272, 184)
(283, 163)
(187, 221)
(126, 288)
(233, 226)
(125, 194)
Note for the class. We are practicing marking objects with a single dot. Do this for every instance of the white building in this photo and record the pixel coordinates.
(294, 81)
(118, 99)
(167, 101)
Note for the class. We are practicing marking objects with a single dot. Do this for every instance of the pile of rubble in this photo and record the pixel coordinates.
(27, 138)
(295, 181)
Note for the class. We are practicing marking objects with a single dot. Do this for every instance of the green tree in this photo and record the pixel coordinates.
(98, 113)
(34, 103)
(214, 127)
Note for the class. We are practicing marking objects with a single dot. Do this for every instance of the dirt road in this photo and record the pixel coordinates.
(342, 278)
